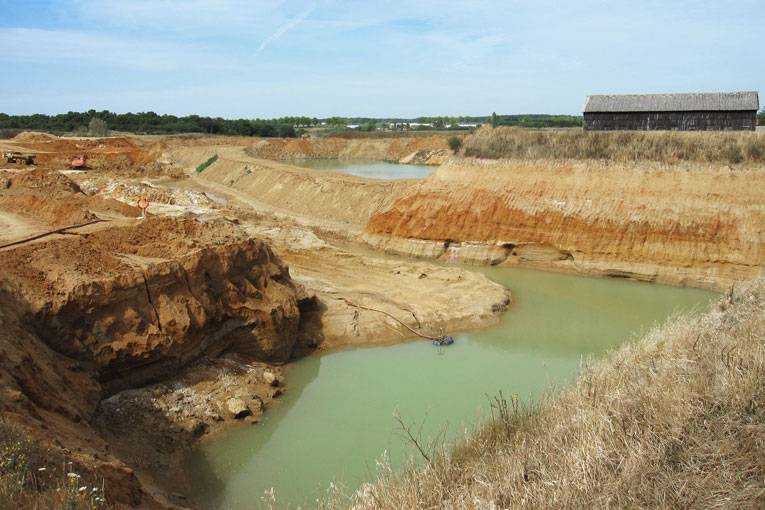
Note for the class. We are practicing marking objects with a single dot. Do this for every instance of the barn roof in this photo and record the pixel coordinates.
(700, 101)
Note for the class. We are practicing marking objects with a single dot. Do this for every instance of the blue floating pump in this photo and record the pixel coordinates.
(443, 340)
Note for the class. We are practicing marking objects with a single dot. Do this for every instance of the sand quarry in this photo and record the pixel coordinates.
(129, 337)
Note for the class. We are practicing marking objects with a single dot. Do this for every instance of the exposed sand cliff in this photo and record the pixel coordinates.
(431, 150)
(115, 305)
(700, 226)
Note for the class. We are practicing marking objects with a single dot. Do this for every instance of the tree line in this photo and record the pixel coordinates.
(152, 123)
(82, 123)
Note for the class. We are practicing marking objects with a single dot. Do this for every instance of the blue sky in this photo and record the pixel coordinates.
(257, 59)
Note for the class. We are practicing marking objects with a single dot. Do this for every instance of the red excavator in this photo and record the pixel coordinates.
(79, 162)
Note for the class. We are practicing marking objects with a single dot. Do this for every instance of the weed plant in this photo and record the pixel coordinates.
(34, 477)
(617, 146)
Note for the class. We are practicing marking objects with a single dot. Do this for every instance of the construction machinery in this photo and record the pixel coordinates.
(18, 157)
(79, 162)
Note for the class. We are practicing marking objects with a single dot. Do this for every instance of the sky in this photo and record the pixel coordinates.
(266, 59)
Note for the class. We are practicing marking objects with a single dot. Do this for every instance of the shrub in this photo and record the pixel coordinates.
(98, 127)
(455, 143)
(207, 163)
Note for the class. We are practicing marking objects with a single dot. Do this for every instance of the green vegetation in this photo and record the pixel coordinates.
(34, 477)
(539, 121)
(761, 117)
(617, 146)
(97, 127)
(455, 143)
(676, 420)
(207, 163)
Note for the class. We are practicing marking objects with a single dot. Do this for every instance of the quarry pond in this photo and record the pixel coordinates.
(335, 423)
(365, 168)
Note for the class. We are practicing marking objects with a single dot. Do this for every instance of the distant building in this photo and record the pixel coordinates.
(352, 126)
(708, 111)
(468, 124)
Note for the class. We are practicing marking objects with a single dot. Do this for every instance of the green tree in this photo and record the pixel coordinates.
(455, 143)
(98, 127)
(494, 120)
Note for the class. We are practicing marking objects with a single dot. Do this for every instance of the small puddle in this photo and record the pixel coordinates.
(218, 200)
(365, 168)
(336, 419)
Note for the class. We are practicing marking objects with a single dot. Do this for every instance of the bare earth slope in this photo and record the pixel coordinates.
(701, 227)
(117, 304)
(332, 200)
(431, 150)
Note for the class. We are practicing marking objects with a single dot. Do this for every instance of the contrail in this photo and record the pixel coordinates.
(282, 29)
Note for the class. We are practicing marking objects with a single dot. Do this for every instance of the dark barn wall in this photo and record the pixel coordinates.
(674, 121)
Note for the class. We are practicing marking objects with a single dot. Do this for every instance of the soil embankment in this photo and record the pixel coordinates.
(431, 150)
(93, 311)
(336, 202)
(56, 152)
(700, 226)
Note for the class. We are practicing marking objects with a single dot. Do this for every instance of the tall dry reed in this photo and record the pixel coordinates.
(617, 146)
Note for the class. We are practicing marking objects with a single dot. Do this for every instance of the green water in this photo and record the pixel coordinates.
(365, 168)
(336, 419)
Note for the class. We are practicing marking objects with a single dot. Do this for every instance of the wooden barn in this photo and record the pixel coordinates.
(707, 111)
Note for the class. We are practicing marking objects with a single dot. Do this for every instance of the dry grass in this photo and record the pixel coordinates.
(676, 420)
(33, 477)
(617, 146)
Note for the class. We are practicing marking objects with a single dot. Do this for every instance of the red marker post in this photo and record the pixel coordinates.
(142, 204)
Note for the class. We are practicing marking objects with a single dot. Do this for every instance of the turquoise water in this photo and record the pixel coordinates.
(365, 168)
(336, 419)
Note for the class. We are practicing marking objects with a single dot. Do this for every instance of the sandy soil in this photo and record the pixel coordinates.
(697, 225)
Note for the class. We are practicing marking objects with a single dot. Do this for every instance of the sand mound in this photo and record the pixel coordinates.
(29, 136)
